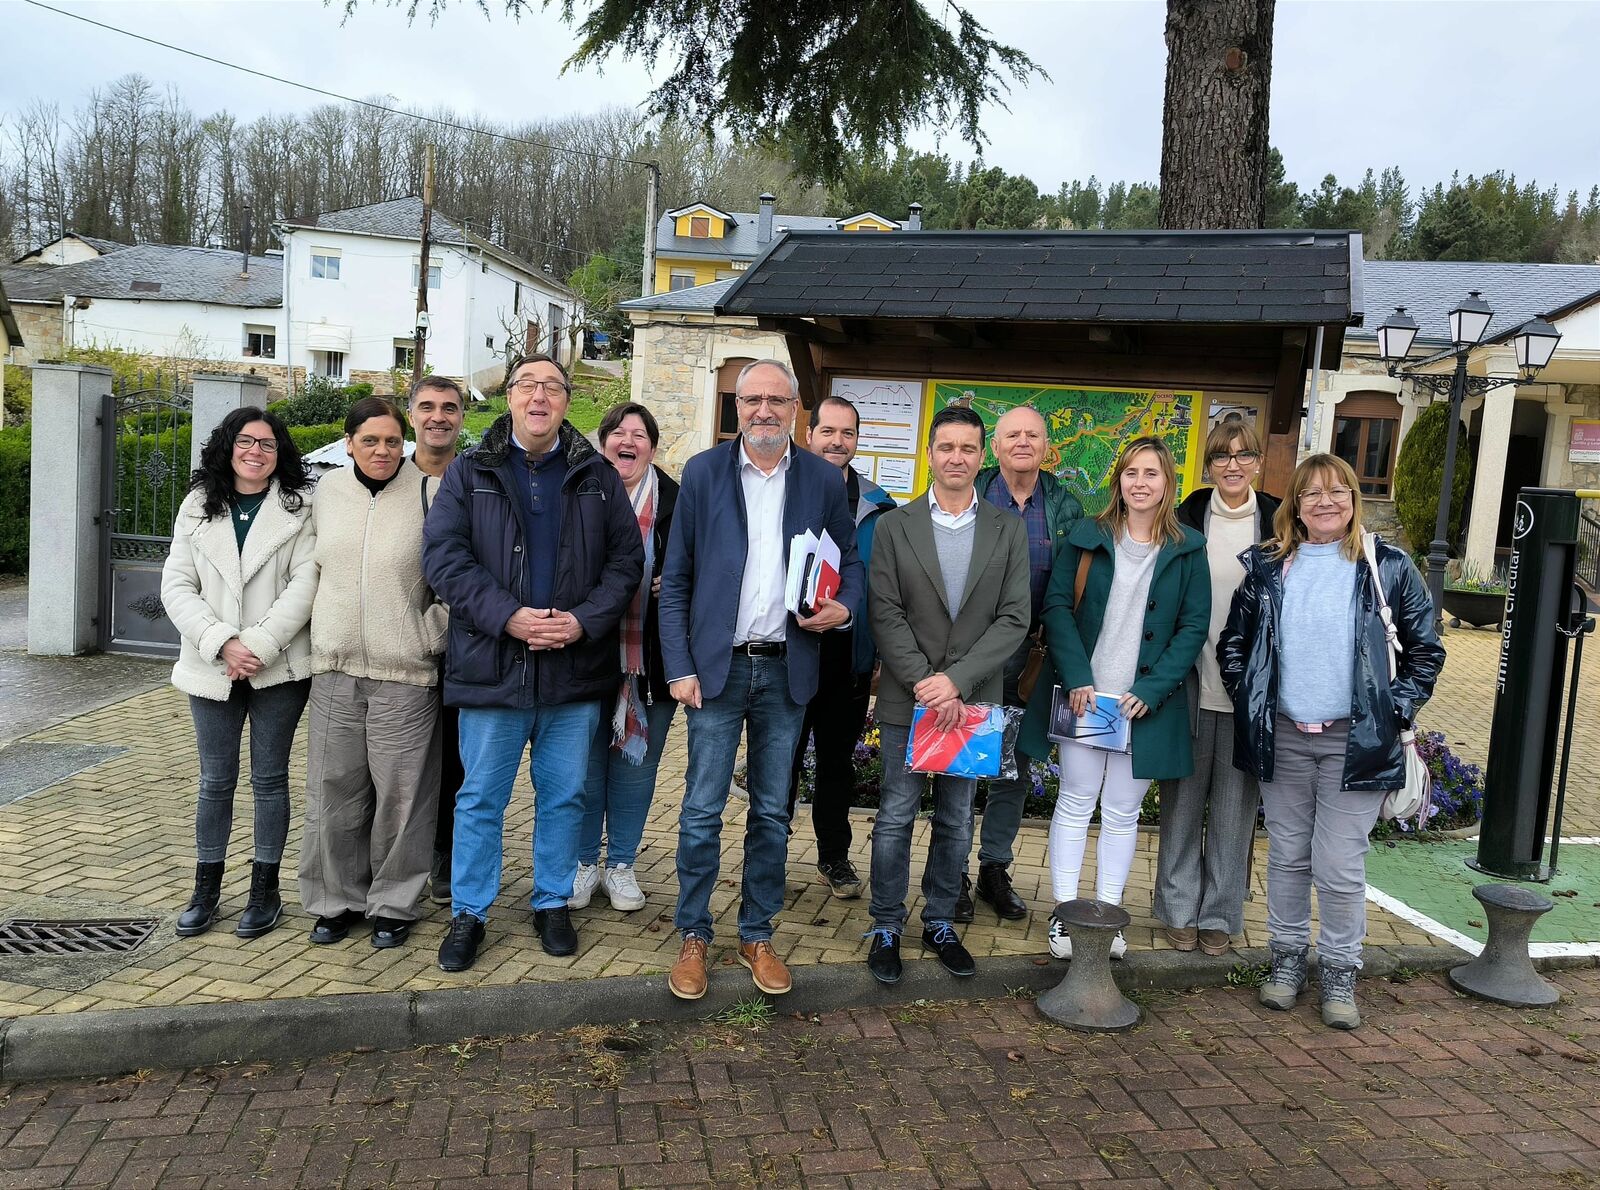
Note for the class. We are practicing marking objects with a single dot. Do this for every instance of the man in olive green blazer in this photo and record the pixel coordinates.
(950, 603)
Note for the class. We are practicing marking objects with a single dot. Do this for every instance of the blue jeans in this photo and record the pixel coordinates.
(493, 740)
(899, 800)
(757, 693)
(617, 793)
(273, 713)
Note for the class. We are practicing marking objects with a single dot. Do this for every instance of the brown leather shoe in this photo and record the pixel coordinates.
(771, 976)
(1182, 938)
(687, 980)
(1215, 942)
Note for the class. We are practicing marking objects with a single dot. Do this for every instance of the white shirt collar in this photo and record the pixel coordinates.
(953, 520)
(746, 461)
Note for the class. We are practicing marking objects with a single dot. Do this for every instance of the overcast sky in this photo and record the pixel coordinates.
(1432, 86)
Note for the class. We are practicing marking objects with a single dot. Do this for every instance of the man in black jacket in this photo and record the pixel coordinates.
(535, 547)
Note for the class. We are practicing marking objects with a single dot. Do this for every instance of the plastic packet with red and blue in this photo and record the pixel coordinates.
(981, 744)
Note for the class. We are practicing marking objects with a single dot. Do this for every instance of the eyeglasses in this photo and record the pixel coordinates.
(1245, 458)
(269, 446)
(776, 404)
(550, 388)
(1315, 495)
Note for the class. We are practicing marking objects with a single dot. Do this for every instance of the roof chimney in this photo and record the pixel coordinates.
(244, 270)
(914, 223)
(764, 224)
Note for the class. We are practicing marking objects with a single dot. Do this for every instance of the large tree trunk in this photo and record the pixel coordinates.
(1214, 123)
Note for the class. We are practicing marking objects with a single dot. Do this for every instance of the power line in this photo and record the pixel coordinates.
(592, 154)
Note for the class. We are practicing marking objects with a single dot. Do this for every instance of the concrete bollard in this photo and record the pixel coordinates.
(1088, 998)
(1503, 973)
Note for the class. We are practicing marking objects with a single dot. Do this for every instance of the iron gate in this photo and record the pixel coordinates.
(145, 469)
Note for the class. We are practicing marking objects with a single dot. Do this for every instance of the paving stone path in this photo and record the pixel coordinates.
(1213, 1090)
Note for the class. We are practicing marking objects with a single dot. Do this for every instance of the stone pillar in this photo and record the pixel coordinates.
(1556, 468)
(215, 396)
(63, 523)
(1489, 469)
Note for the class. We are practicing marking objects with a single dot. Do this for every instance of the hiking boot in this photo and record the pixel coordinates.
(994, 886)
(964, 909)
(265, 909)
(687, 979)
(840, 877)
(622, 887)
(201, 914)
(1286, 979)
(1338, 982)
(459, 950)
(766, 968)
(583, 886)
(1060, 940)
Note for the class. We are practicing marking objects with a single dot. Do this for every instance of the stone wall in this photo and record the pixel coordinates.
(41, 332)
(674, 373)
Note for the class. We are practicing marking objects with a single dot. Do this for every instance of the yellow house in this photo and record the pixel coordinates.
(700, 244)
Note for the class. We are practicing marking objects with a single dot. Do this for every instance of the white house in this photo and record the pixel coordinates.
(350, 293)
(156, 300)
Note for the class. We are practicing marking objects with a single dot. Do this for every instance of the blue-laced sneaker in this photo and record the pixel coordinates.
(883, 959)
(940, 937)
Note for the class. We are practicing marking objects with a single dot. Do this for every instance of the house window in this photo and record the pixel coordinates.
(699, 227)
(557, 321)
(682, 279)
(516, 299)
(405, 355)
(325, 263)
(727, 410)
(726, 274)
(435, 271)
(488, 341)
(260, 342)
(328, 363)
(1365, 431)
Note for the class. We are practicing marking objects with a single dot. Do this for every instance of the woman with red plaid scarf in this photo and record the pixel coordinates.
(627, 745)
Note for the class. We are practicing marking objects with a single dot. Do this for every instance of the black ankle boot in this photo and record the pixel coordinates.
(994, 886)
(265, 907)
(202, 911)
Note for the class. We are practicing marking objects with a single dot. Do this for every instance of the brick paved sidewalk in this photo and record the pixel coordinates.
(118, 838)
(1213, 1090)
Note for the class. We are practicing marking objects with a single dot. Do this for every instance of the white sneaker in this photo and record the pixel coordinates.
(583, 886)
(1119, 946)
(622, 887)
(1060, 941)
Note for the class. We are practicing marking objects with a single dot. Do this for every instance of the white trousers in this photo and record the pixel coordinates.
(1090, 776)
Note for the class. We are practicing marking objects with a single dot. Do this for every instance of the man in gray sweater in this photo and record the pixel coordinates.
(950, 602)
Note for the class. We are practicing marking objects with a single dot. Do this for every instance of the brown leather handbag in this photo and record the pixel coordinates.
(1029, 677)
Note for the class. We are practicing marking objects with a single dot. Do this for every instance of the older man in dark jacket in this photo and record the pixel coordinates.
(535, 547)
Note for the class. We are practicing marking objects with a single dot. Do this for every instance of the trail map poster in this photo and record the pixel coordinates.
(1087, 427)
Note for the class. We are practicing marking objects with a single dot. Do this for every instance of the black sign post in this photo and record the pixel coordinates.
(1528, 685)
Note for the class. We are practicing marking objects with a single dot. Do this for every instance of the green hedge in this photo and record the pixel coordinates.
(15, 445)
(156, 504)
(1419, 474)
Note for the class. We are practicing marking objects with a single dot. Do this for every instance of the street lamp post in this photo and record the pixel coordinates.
(1534, 343)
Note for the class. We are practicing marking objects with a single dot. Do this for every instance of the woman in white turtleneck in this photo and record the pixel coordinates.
(1208, 819)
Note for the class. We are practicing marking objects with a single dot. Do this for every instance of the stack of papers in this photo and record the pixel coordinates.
(814, 564)
(1101, 726)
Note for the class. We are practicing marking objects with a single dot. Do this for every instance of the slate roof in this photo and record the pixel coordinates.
(696, 299)
(104, 247)
(156, 273)
(1429, 289)
(1273, 277)
(401, 219)
(741, 242)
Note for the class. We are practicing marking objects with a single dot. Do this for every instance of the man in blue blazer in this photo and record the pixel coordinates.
(736, 658)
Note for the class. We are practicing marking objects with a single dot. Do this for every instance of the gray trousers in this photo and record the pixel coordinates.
(899, 800)
(372, 796)
(1002, 814)
(1316, 835)
(1208, 825)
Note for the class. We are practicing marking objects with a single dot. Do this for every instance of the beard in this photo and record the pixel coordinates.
(765, 437)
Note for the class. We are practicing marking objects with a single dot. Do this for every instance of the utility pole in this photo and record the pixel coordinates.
(651, 186)
(420, 340)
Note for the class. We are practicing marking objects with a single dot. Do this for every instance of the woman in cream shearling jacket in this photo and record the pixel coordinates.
(377, 632)
(238, 585)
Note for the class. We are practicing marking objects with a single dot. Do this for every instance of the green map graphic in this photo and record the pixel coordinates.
(1087, 427)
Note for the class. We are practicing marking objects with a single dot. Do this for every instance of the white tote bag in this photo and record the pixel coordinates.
(1409, 799)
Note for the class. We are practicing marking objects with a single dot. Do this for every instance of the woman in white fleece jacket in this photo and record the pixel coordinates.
(377, 632)
(238, 585)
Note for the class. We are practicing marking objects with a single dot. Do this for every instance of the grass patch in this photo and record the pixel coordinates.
(748, 1012)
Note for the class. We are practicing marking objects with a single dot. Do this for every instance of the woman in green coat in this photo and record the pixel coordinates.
(1140, 624)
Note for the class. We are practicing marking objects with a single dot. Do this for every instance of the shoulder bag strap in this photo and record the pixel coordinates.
(1082, 580)
(425, 479)
(1369, 548)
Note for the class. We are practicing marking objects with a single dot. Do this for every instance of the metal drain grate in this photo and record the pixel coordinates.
(56, 939)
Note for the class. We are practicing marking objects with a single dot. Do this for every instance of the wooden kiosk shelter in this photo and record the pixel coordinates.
(1229, 320)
